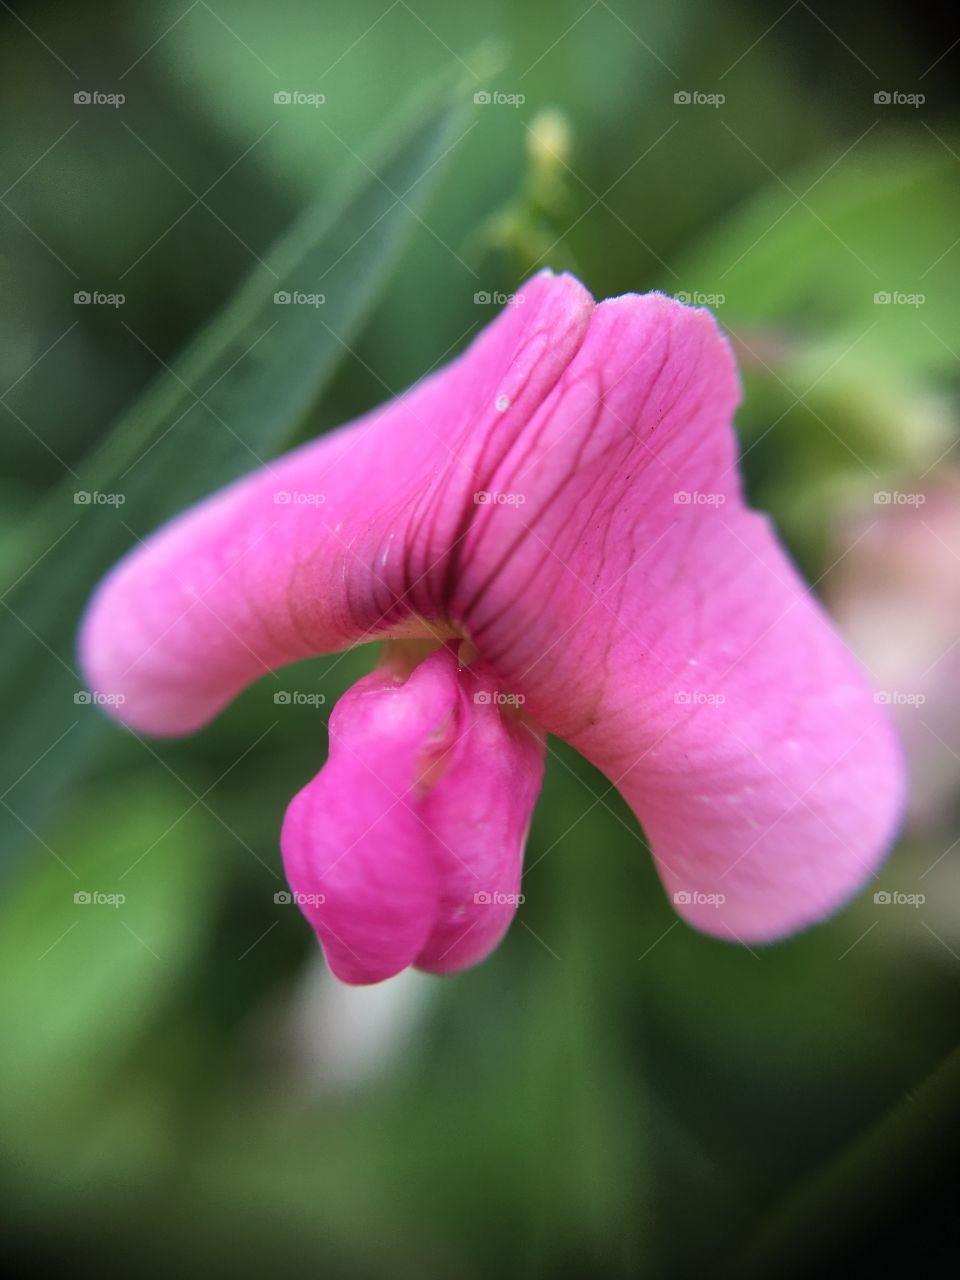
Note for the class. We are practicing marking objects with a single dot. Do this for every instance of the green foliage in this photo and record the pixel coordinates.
(238, 392)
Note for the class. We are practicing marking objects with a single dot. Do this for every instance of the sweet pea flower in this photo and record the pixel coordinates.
(550, 534)
(895, 593)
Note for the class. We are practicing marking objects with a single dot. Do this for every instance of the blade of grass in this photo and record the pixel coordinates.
(236, 395)
(846, 1201)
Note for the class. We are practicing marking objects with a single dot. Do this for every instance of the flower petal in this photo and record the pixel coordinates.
(407, 846)
(352, 537)
(656, 624)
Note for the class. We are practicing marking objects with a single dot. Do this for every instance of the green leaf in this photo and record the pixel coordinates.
(842, 325)
(96, 930)
(817, 268)
(236, 396)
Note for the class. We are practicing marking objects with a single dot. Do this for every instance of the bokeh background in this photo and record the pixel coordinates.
(183, 1087)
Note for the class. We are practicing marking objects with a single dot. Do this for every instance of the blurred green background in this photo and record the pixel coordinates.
(183, 1087)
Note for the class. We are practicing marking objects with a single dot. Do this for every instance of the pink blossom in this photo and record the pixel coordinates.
(559, 513)
(895, 592)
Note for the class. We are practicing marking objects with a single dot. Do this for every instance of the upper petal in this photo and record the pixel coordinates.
(656, 623)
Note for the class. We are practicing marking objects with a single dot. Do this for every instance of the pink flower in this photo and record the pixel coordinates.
(896, 595)
(559, 514)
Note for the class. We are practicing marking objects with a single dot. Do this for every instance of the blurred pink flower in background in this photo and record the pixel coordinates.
(557, 517)
(895, 594)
